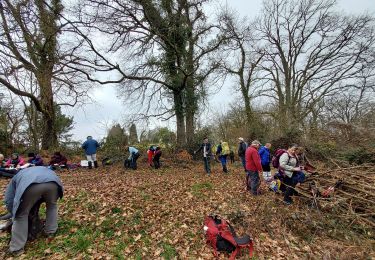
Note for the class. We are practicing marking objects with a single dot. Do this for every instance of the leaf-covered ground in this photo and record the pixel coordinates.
(110, 213)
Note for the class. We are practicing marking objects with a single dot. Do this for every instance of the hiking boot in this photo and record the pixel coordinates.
(288, 202)
(96, 164)
(16, 253)
(90, 165)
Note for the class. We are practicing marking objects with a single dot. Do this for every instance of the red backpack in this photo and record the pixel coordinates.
(222, 237)
(276, 157)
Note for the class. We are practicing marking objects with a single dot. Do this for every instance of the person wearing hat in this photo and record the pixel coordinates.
(29, 187)
(253, 167)
(242, 146)
(90, 146)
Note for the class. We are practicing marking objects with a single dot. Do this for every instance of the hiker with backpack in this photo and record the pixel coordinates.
(90, 146)
(291, 172)
(222, 152)
(253, 167)
(27, 188)
(242, 146)
(205, 147)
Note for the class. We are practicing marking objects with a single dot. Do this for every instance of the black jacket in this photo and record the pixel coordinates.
(208, 149)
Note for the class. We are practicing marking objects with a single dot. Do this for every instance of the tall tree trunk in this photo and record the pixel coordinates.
(180, 119)
(49, 135)
(191, 108)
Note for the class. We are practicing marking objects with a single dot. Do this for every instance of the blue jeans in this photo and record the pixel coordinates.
(223, 160)
(206, 161)
(253, 182)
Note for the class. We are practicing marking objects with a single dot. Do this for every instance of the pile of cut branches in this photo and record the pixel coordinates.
(349, 192)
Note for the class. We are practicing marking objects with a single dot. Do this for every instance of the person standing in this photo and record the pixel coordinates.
(231, 156)
(265, 157)
(253, 167)
(29, 187)
(242, 146)
(206, 148)
(90, 146)
(222, 155)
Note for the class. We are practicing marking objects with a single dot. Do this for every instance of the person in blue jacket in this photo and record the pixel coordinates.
(90, 146)
(27, 188)
(133, 157)
(265, 157)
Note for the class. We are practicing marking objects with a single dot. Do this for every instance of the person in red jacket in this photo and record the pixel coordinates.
(253, 167)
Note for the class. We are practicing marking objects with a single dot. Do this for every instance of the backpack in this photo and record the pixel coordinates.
(276, 157)
(225, 148)
(222, 237)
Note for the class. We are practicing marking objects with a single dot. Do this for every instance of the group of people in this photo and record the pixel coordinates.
(10, 167)
(256, 160)
(221, 153)
(153, 153)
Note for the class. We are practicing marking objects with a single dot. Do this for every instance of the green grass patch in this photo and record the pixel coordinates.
(116, 210)
(169, 251)
(198, 189)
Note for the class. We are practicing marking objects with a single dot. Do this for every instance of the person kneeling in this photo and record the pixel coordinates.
(26, 189)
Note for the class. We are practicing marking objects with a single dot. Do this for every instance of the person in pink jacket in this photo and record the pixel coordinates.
(15, 161)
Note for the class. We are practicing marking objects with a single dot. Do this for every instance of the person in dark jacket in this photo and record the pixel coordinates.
(90, 146)
(27, 188)
(231, 156)
(35, 159)
(59, 160)
(242, 146)
(156, 159)
(205, 147)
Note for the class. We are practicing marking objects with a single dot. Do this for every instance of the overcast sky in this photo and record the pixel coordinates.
(94, 119)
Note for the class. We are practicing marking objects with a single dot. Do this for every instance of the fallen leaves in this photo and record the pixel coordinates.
(152, 214)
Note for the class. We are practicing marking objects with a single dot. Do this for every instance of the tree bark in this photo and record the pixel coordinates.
(180, 119)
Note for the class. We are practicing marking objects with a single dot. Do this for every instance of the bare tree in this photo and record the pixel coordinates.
(29, 44)
(310, 52)
(167, 52)
(243, 56)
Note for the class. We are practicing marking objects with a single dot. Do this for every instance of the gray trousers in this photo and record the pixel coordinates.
(49, 193)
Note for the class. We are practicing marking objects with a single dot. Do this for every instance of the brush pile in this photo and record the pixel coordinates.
(348, 192)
